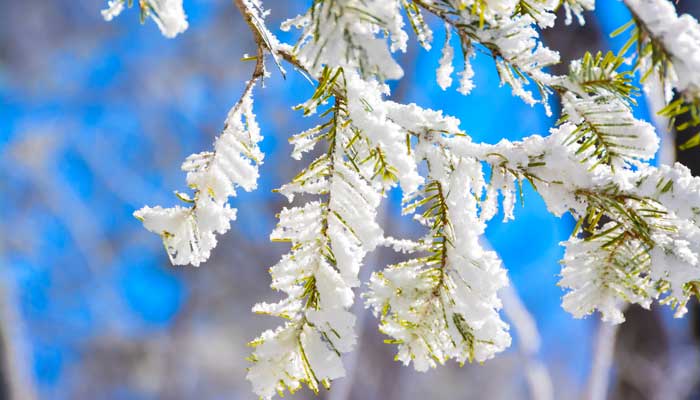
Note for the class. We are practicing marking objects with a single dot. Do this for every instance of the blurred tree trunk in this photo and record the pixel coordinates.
(14, 373)
(5, 366)
(641, 356)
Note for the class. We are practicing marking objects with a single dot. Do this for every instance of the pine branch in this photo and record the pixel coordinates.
(665, 47)
(329, 238)
(168, 15)
(597, 97)
(427, 303)
(188, 233)
(517, 65)
(600, 75)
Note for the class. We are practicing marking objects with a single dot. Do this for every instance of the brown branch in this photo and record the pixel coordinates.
(261, 46)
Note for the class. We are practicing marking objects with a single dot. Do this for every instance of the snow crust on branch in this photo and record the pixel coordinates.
(349, 30)
(508, 31)
(576, 8)
(169, 15)
(680, 38)
(445, 70)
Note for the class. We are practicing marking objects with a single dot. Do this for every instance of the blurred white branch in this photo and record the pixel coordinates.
(599, 378)
(538, 377)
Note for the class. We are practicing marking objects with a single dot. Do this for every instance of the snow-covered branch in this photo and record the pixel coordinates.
(189, 233)
(169, 15)
(637, 237)
(667, 48)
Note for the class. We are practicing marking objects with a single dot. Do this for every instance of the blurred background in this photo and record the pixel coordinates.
(95, 119)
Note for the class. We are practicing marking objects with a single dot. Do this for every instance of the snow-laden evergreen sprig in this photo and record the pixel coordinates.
(667, 47)
(669, 42)
(634, 248)
(169, 15)
(607, 132)
(189, 233)
(609, 262)
(441, 304)
(597, 97)
(602, 74)
(634, 240)
(345, 33)
(507, 31)
(329, 239)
